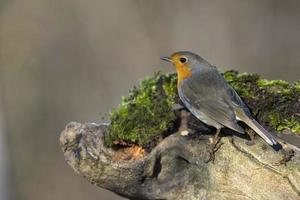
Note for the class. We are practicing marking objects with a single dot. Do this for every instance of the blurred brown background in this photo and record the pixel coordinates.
(64, 60)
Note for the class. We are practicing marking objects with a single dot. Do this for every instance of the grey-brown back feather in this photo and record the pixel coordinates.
(205, 92)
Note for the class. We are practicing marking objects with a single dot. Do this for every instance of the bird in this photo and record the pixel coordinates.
(207, 95)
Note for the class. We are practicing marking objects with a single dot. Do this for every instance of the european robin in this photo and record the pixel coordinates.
(208, 96)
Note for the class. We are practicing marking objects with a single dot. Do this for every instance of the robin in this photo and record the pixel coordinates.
(208, 96)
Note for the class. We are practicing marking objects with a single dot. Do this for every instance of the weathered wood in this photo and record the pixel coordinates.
(177, 167)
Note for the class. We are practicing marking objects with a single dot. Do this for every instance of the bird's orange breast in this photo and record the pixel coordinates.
(183, 72)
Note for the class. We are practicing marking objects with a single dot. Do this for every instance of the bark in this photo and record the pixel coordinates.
(177, 167)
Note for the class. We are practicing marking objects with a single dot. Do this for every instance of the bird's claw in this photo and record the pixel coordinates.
(214, 148)
(287, 156)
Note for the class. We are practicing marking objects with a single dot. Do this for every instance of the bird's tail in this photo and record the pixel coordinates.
(252, 123)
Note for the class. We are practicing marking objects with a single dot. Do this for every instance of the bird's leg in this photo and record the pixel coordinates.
(215, 146)
(178, 107)
(251, 134)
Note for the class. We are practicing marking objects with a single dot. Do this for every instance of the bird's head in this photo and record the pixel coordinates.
(185, 62)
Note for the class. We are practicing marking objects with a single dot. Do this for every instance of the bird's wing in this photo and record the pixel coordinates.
(235, 100)
(205, 92)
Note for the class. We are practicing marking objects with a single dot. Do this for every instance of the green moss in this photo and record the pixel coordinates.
(274, 102)
(297, 86)
(242, 83)
(275, 86)
(274, 119)
(292, 124)
(278, 83)
(146, 114)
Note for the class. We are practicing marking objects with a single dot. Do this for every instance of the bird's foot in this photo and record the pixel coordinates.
(287, 156)
(215, 146)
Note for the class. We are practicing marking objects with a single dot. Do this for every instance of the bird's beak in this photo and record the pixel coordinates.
(168, 59)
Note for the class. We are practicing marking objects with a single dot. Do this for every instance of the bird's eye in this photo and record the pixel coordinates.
(183, 60)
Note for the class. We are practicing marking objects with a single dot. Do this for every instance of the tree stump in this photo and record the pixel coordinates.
(178, 166)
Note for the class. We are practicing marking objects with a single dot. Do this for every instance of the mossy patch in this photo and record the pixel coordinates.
(146, 116)
(275, 103)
